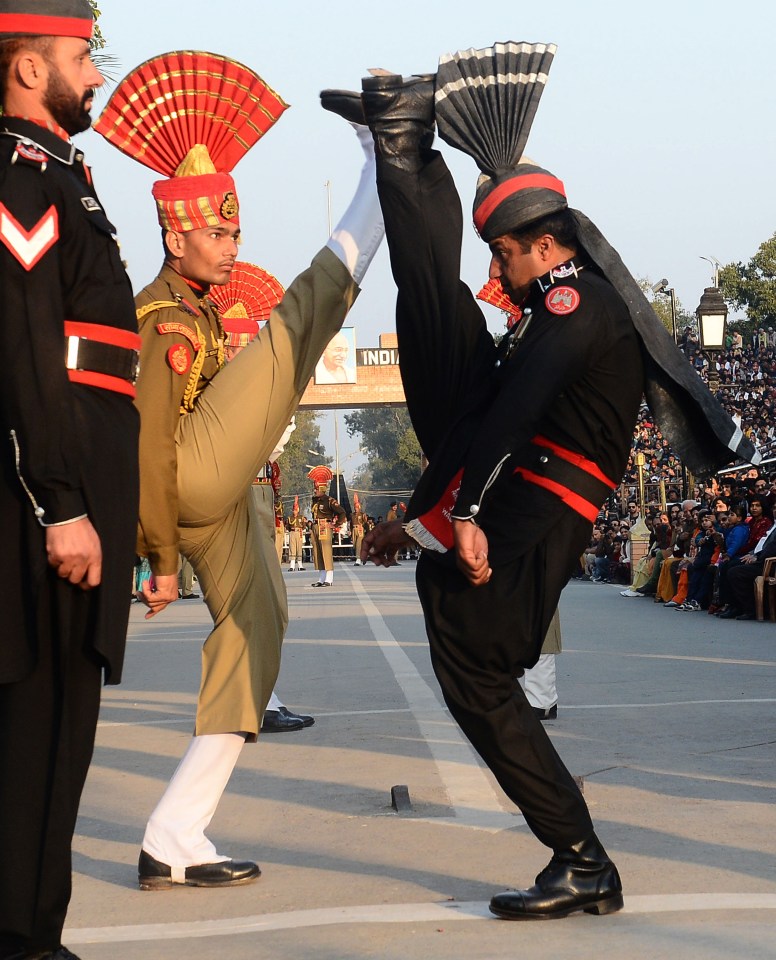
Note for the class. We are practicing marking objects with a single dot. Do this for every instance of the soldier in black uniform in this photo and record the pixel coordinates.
(69, 336)
(525, 440)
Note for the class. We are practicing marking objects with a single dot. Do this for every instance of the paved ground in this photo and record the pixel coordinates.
(669, 717)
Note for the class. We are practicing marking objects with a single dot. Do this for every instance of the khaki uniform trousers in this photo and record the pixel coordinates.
(280, 539)
(221, 445)
(323, 552)
(295, 543)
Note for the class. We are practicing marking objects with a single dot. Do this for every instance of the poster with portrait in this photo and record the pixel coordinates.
(338, 363)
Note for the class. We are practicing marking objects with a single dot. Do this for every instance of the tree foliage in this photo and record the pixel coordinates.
(393, 455)
(752, 287)
(294, 459)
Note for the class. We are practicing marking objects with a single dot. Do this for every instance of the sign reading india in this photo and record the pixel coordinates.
(347, 378)
(377, 357)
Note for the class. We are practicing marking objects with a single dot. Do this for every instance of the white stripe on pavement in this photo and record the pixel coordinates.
(472, 796)
(394, 913)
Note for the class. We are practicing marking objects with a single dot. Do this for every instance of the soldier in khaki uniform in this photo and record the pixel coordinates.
(200, 452)
(296, 525)
(358, 521)
(277, 510)
(328, 516)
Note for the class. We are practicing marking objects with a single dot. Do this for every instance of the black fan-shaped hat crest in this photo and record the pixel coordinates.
(486, 100)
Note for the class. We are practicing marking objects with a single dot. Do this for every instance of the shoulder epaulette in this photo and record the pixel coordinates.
(172, 326)
(29, 154)
(176, 327)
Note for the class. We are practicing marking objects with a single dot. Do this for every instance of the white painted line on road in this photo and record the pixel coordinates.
(471, 794)
(155, 721)
(405, 913)
(665, 703)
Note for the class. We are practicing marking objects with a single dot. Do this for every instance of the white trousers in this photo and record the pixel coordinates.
(175, 832)
(539, 682)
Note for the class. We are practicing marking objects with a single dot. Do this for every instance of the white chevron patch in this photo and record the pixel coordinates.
(28, 246)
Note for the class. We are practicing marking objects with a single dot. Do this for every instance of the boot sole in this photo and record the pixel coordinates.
(165, 883)
(599, 908)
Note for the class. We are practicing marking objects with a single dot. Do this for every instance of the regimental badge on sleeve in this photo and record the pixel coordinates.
(28, 246)
(562, 300)
(179, 358)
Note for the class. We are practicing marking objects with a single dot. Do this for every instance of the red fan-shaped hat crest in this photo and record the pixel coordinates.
(493, 293)
(320, 475)
(251, 293)
(169, 104)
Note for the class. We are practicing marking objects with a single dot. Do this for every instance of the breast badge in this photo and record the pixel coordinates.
(562, 300)
(179, 358)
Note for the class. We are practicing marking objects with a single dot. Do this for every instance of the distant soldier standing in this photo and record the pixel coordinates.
(328, 516)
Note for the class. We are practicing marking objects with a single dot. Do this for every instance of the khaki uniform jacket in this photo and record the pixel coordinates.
(182, 352)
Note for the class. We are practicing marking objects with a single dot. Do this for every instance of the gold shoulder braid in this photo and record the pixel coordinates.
(193, 386)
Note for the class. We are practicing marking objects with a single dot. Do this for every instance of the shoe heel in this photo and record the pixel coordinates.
(610, 905)
(155, 883)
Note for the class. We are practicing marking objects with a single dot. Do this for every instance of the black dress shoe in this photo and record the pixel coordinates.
(579, 878)
(400, 114)
(730, 614)
(316, 584)
(746, 616)
(547, 713)
(345, 103)
(188, 596)
(154, 875)
(276, 722)
(307, 721)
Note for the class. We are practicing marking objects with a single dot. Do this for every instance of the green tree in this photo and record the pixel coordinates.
(393, 455)
(98, 41)
(294, 459)
(752, 287)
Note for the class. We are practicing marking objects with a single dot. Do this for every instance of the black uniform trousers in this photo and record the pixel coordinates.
(480, 637)
(48, 722)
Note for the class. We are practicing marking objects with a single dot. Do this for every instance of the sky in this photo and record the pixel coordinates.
(659, 117)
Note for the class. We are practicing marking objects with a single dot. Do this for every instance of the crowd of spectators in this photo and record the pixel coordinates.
(702, 554)
(704, 551)
(747, 390)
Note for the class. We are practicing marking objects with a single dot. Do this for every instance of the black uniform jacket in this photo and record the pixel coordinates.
(572, 383)
(66, 450)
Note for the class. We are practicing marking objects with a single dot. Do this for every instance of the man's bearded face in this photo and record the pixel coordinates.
(66, 106)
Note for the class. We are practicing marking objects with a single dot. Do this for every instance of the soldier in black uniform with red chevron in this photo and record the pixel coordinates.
(524, 440)
(69, 337)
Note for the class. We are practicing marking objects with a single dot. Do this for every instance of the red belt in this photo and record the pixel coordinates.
(579, 482)
(101, 356)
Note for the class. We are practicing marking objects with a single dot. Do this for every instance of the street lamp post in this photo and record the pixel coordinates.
(662, 287)
(712, 314)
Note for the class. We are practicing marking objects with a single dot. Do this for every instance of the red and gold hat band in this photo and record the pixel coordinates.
(190, 203)
(542, 181)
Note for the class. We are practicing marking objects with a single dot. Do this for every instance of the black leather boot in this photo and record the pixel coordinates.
(400, 113)
(345, 103)
(579, 878)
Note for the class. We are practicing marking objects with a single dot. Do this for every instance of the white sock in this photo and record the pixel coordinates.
(539, 682)
(275, 703)
(329, 578)
(360, 230)
(175, 832)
